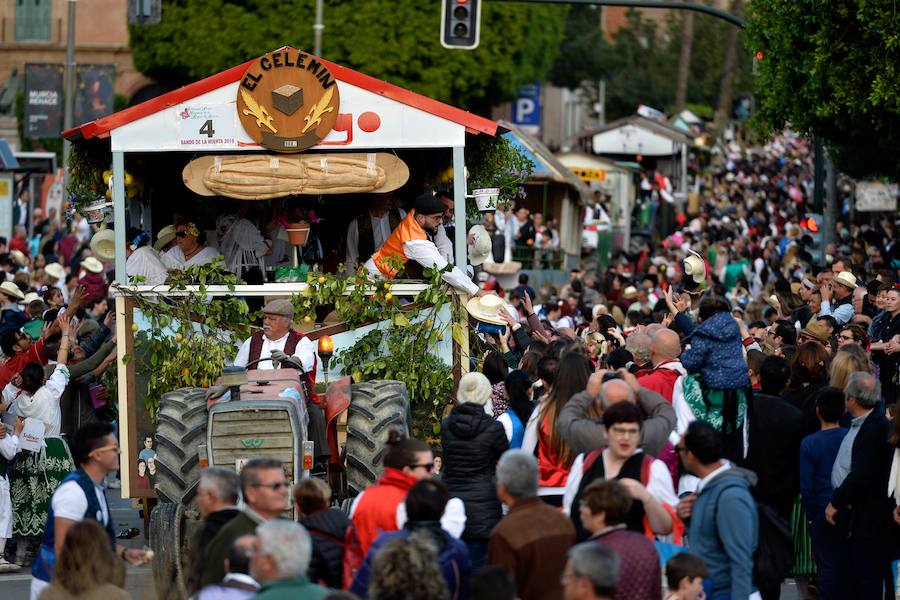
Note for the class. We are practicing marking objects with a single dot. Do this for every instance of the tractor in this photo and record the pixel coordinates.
(257, 413)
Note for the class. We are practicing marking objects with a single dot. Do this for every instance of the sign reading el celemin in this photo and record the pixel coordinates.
(43, 100)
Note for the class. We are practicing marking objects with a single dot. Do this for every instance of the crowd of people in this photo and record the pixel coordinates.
(707, 418)
(57, 340)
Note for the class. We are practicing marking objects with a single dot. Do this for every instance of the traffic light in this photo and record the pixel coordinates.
(459, 23)
(811, 225)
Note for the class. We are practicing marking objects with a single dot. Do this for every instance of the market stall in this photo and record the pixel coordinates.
(308, 124)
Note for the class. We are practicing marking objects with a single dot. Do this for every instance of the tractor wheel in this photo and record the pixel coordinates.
(167, 540)
(376, 408)
(181, 427)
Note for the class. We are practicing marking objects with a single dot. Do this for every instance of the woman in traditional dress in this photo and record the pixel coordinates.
(36, 475)
(190, 247)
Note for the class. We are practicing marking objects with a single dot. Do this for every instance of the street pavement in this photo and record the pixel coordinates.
(139, 582)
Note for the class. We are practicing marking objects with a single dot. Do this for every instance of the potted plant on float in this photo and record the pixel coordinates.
(296, 223)
(497, 171)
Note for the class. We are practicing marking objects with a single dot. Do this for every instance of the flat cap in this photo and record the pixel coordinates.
(429, 204)
(280, 307)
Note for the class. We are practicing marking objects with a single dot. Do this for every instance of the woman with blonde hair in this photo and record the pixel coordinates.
(848, 359)
(87, 568)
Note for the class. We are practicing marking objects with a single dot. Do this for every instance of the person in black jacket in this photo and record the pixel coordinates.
(472, 443)
(774, 439)
(859, 476)
(328, 528)
(217, 498)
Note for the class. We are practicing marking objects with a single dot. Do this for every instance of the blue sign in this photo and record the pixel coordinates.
(527, 108)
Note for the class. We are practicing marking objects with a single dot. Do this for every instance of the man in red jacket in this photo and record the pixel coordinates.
(665, 348)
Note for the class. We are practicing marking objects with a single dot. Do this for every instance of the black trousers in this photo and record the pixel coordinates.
(869, 569)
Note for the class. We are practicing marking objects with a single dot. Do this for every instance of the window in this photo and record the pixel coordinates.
(33, 20)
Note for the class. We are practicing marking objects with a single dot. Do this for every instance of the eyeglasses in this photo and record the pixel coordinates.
(180, 234)
(567, 577)
(624, 432)
(278, 485)
(845, 338)
(105, 449)
(680, 449)
(427, 466)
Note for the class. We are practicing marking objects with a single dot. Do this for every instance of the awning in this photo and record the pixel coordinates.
(546, 166)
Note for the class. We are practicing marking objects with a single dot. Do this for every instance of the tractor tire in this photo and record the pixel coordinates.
(181, 428)
(376, 408)
(167, 540)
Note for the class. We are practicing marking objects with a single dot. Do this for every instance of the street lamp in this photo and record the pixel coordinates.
(326, 351)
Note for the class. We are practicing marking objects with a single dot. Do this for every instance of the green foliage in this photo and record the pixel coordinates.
(191, 335)
(832, 69)
(87, 161)
(397, 41)
(402, 349)
(640, 63)
(494, 162)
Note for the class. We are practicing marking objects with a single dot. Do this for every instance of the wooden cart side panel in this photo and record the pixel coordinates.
(127, 393)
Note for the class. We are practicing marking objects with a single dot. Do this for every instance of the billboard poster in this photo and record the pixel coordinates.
(43, 100)
(94, 92)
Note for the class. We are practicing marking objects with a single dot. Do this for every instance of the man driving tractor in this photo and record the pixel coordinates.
(278, 344)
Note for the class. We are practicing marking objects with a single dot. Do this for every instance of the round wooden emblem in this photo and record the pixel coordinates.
(288, 100)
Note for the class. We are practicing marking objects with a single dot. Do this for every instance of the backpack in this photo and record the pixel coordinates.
(352, 553)
(774, 554)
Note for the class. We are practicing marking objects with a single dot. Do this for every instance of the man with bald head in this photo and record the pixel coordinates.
(665, 348)
(583, 432)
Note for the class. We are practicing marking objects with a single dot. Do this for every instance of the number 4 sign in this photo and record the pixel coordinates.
(211, 125)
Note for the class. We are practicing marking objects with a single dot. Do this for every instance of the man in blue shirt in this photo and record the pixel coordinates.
(817, 455)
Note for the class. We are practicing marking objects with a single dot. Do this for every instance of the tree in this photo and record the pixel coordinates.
(393, 40)
(641, 62)
(831, 69)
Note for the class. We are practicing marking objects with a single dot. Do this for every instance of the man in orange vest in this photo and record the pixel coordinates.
(413, 240)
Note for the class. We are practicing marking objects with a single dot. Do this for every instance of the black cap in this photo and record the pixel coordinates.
(429, 204)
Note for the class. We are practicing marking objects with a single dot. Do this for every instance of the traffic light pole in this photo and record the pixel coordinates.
(694, 6)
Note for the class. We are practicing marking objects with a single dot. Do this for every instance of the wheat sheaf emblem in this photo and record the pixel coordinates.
(263, 118)
(318, 110)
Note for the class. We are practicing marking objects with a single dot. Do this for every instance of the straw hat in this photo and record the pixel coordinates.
(694, 268)
(19, 257)
(481, 248)
(12, 290)
(31, 297)
(846, 279)
(56, 271)
(165, 235)
(486, 309)
(815, 330)
(293, 174)
(92, 264)
(630, 293)
(103, 244)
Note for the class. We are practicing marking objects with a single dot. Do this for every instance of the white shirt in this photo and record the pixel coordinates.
(381, 231)
(44, 405)
(660, 483)
(725, 466)
(305, 351)
(147, 263)
(201, 258)
(453, 521)
(69, 502)
(443, 243)
(426, 254)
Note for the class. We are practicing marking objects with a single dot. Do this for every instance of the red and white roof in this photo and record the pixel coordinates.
(373, 114)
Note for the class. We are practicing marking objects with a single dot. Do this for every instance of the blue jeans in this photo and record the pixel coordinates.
(829, 544)
(477, 553)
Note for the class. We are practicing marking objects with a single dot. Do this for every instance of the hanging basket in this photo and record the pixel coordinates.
(298, 233)
(98, 212)
(486, 198)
